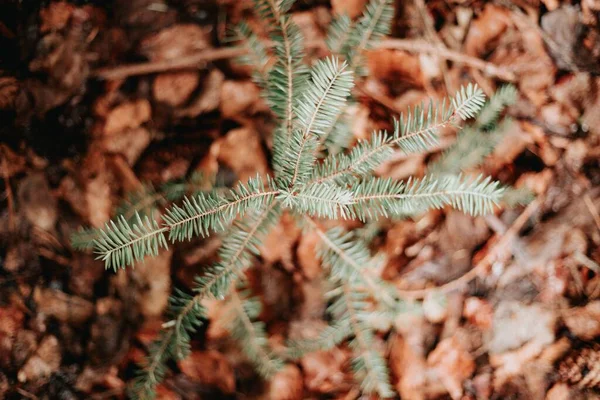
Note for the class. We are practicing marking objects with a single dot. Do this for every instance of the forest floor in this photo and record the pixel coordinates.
(98, 98)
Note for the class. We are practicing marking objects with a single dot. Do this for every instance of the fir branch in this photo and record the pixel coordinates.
(338, 33)
(372, 26)
(328, 338)
(84, 238)
(415, 132)
(121, 244)
(252, 335)
(287, 74)
(154, 368)
(213, 212)
(318, 110)
(369, 367)
(319, 199)
(350, 261)
(325, 98)
(173, 343)
(386, 197)
(142, 201)
(339, 136)
(363, 158)
(196, 183)
(503, 97)
(239, 248)
(257, 56)
(471, 147)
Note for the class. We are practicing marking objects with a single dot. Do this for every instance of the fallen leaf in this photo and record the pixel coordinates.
(485, 29)
(209, 368)
(175, 88)
(242, 98)
(129, 115)
(55, 16)
(246, 161)
(209, 97)
(323, 370)
(37, 202)
(286, 384)
(395, 65)
(453, 364)
(131, 143)
(584, 322)
(9, 87)
(43, 363)
(65, 308)
(351, 8)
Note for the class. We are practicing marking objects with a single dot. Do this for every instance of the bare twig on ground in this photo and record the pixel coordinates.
(415, 46)
(194, 60)
(191, 61)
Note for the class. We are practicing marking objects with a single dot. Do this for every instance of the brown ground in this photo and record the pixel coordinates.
(79, 129)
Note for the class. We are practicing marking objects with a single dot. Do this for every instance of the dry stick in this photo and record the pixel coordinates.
(481, 265)
(413, 46)
(193, 60)
(184, 62)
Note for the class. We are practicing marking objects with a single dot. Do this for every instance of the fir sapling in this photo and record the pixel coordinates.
(314, 178)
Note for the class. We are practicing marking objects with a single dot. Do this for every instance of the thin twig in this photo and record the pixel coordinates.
(482, 265)
(415, 46)
(185, 62)
(196, 59)
(592, 209)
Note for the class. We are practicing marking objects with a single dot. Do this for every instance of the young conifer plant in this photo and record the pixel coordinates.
(316, 176)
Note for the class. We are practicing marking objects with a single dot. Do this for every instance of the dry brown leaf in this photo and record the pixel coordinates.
(43, 363)
(286, 384)
(486, 29)
(37, 203)
(323, 370)
(154, 279)
(129, 115)
(9, 87)
(175, 41)
(175, 88)
(584, 322)
(241, 98)
(279, 243)
(56, 16)
(247, 160)
(209, 368)
(131, 143)
(395, 65)
(408, 365)
(307, 24)
(453, 365)
(351, 8)
(209, 98)
(65, 308)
